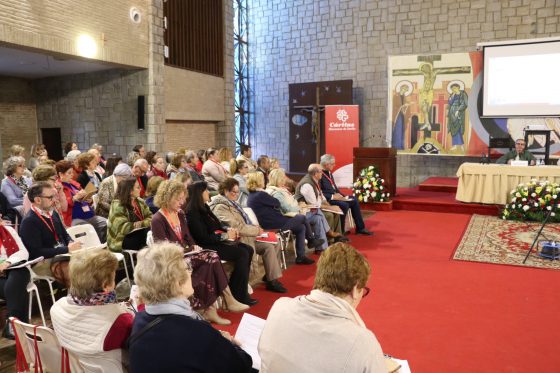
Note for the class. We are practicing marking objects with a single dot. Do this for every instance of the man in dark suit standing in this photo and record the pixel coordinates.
(333, 195)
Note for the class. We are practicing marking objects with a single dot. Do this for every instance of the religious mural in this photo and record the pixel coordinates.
(434, 103)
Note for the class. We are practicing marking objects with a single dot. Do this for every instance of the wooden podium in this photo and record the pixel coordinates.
(385, 159)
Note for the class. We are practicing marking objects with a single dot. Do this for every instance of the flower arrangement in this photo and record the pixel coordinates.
(370, 187)
(533, 201)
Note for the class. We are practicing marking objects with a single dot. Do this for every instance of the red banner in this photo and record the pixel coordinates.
(342, 134)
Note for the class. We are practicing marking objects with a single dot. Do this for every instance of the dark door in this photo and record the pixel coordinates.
(53, 143)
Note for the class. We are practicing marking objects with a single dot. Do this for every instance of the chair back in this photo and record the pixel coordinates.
(86, 234)
(43, 340)
(249, 211)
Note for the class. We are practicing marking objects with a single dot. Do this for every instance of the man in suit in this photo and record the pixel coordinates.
(333, 195)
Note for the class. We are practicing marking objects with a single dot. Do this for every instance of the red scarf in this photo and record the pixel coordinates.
(157, 172)
(142, 189)
(8, 241)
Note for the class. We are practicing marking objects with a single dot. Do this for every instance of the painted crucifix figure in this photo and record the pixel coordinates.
(426, 92)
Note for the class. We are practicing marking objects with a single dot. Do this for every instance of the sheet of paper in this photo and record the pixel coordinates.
(405, 368)
(248, 333)
(31, 262)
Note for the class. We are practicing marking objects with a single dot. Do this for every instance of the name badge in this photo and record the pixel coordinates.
(85, 208)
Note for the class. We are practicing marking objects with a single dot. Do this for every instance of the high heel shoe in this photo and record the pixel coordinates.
(211, 314)
(231, 304)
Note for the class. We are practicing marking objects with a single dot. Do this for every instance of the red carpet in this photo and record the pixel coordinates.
(444, 315)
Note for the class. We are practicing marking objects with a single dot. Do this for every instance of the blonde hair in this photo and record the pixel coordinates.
(255, 180)
(276, 176)
(153, 184)
(167, 191)
(90, 271)
(161, 272)
(43, 172)
(225, 154)
(17, 150)
(340, 268)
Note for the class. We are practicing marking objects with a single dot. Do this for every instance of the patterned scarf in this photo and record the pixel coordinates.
(96, 299)
(8, 241)
(21, 184)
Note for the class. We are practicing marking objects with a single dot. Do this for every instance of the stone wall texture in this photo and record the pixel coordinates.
(318, 40)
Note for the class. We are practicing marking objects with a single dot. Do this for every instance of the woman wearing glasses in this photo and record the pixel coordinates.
(15, 184)
(328, 313)
(208, 278)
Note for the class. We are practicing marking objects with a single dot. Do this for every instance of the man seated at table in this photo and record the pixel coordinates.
(519, 154)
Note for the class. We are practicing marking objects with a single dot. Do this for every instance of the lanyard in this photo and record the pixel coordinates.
(175, 227)
(50, 226)
(330, 180)
(137, 210)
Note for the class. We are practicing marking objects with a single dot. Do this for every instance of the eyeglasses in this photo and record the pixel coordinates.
(366, 292)
(49, 197)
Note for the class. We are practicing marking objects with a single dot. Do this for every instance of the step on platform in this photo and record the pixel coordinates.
(439, 184)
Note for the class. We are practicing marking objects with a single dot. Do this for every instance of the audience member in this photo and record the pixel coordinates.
(108, 188)
(177, 166)
(157, 166)
(69, 146)
(263, 166)
(245, 154)
(13, 282)
(274, 164)
(225, 207)
(72, 157)
(43, 234)
(89, 322)
(139, 170)
(100, 166)
(191, 344)
(333, 194)
(139, 149)
(99, 148)
(192, 161)
(80, 209)
(15, 185)
(17, 151)
(209, 279)
(206, 230)
(153, 185)
(213, 171)
(132, 157)
(328, 313)
(37, 150)
(48, 174)
(267, 210)
(239, 170)
(225, 155)
(111, 163)
(518, 154)
(201, 153)
(129, 218)
(88, 163)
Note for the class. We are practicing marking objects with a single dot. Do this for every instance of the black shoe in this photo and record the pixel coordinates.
(250, 301)
(304, 260)
(275, 286)
(341, 239)
(365, 232)
(315, 243)
(8, 332)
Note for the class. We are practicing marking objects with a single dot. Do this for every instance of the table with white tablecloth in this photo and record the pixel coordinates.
(493, 183)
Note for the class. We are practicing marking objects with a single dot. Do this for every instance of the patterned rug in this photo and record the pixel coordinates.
(489, 239)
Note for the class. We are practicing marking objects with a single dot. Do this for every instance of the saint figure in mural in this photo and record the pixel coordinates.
(400, 108)
(458, 102)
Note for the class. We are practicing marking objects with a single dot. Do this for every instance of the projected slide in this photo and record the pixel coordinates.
(522, 80)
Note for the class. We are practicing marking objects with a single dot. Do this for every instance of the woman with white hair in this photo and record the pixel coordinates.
(324, 325)
(169, 336)
(15, 184)
(108, 189)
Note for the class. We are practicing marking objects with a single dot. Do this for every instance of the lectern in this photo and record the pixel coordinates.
(385, 159)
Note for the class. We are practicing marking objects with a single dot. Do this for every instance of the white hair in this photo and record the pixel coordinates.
(326, 159)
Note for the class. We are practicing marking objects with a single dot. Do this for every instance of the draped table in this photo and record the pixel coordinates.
(493, 183)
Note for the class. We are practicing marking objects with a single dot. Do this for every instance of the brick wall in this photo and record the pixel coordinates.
(18, 118)
(315, 40)
(190, 135)
(55, 26)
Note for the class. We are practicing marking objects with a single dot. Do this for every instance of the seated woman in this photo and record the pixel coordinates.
(328, 313)
(177, 166)
(153, 183)
(157, 166)
(129, 218)
(213, 171)
(192, 161)
(206, 230)
(239, 170)
(108, 188)
(267, 210)
(89, 322)
(225, 156)
(15, 184)
(87, 162)
(277, 188)
(209, 279)
(37, 150)
(80, 209)
(180, 340)
(13, 283)
(225, 207)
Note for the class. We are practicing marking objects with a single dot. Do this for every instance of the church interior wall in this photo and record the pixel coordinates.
(309, 41)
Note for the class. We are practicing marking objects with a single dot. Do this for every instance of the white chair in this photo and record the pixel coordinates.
(32, 288)
(86, 234)
(50, 351)
(283, 236)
